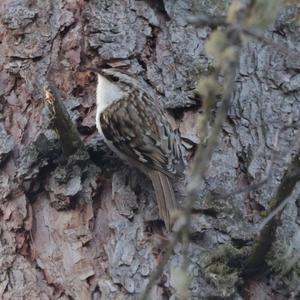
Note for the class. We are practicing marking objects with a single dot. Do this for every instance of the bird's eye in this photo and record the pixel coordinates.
(114, 78)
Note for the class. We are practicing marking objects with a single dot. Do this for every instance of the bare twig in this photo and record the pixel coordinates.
(275, 212)
(204, 20)
(247, 189)
(160, 268)
(257, 35)
(204, 152)
(200, 165)
(267, 175)
(266, 235)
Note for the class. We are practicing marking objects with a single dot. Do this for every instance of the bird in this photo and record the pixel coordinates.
(136, 128)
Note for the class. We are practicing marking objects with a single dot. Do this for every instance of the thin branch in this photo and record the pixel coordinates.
(275, 212)
(257, 35)
(205, 20)
(204, 152)
(200, 163)
(160, 268)
(267, 176)
(247, 189)
(266, 236)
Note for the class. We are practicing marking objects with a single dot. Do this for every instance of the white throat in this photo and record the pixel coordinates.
(107, 93)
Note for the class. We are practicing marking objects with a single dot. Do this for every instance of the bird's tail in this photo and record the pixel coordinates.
(164, 195)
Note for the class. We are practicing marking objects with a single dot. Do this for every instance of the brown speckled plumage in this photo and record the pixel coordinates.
(138, 131)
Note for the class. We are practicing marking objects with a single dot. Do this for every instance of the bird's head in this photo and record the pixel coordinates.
(112, 85)
(108, 89)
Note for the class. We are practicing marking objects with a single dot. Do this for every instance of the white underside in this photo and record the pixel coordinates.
(106, 94)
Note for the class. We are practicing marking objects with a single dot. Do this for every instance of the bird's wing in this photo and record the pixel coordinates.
(138, 128)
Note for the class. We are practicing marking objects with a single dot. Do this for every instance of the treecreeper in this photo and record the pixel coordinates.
(138, 131)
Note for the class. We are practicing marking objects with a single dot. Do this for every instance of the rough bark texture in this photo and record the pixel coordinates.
(84, 226)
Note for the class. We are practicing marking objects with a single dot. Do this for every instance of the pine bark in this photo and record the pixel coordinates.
(81, 224)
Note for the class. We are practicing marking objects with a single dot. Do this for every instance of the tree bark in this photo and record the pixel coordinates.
(84, 225)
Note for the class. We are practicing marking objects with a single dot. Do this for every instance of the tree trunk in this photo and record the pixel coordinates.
(82, 224)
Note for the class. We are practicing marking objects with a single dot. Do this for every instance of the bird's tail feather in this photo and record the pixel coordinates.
(164, 195)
